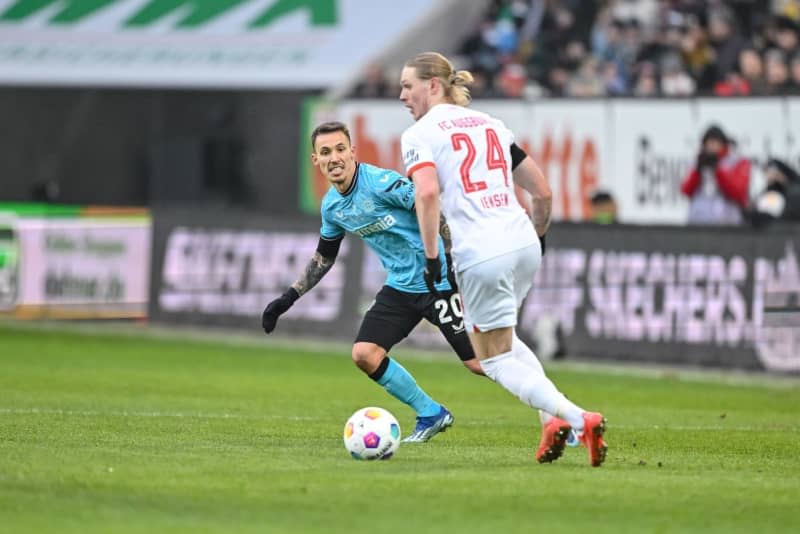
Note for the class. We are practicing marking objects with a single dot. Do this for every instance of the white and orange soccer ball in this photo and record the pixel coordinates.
(371, 434)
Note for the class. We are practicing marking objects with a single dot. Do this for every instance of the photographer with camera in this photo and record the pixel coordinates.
(718, 185)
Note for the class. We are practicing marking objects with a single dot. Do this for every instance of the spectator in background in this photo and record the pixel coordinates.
(557, 79)
(789, 8)
(726, 40)
(777, 72)
(585, 82)
(480, 50)
(608, 43)
(374, 84)
(734, 84)
(604, 208)
(786, 35)
(720, 44)
(675, 81)
(698, 54)
(795, 74)
(781, 197)
(751, 68)
(646, 81)
(481, 86)
(561, 42)
(632, 39)
(614, 81)
(644, 13)
(510, 82)
(718, 184)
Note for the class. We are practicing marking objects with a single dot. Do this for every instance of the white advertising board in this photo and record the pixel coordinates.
(638, 150)
(83, 267)
(654, 142)
(209, 43)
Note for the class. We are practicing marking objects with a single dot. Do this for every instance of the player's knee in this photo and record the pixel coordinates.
(367, 356)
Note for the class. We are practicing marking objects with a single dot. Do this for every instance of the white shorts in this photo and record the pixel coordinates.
(492, 290)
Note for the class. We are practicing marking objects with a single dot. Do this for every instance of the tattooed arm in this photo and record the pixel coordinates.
(319, 265)
(315, 270)
(444, 231)
(528, 176)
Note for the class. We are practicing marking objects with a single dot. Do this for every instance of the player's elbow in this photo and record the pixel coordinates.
(542, 196)
(543, 193)
(427, 193)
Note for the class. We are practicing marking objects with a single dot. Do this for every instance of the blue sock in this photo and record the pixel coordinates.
(402, 386)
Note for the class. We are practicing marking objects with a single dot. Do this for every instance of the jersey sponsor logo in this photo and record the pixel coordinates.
(384, 223)
(411, 156)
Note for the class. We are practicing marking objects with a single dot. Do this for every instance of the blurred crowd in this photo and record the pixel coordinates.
(607, 48)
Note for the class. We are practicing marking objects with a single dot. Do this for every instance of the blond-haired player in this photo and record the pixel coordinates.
(465, 163)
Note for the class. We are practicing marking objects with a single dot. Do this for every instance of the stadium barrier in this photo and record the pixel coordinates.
(724, 297)
(73, 262)
(719, 297)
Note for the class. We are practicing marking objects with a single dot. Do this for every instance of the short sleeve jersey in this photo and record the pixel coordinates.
(471, 152)
(379, 208)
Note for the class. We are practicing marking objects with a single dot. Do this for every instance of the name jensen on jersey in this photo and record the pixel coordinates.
(497, 200)
(378, 226)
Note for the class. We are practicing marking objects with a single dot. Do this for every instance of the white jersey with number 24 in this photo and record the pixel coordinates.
(471, 152)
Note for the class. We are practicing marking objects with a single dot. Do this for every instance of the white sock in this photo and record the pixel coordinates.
(533, 389)
(525, 355)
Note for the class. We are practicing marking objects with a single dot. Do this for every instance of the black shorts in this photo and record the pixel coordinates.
(395, 314)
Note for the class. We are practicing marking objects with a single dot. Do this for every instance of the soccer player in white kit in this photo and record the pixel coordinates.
(465, 163)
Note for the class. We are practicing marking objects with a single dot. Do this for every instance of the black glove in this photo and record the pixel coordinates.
(706, 160)
(276, 308)
(451, 272)
(433, 274)
(542, 241)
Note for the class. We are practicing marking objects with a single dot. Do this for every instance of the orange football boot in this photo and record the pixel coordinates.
(594, 426)
(554, 439)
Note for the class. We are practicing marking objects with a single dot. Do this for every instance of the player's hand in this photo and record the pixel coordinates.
(542, 241)
(433, 274)
(276, 308)
(451, 272)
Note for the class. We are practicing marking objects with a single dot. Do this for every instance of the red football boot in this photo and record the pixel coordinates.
(594, 426)
(554, 439)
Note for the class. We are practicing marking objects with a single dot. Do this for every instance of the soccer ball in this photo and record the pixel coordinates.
(371, 434)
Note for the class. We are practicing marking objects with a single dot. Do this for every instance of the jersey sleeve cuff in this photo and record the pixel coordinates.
(419, 166)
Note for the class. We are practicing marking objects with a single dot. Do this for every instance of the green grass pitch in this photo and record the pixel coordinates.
(127, 433)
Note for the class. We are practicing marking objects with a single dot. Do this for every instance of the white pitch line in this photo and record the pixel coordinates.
(187, 415)
(200, 415)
